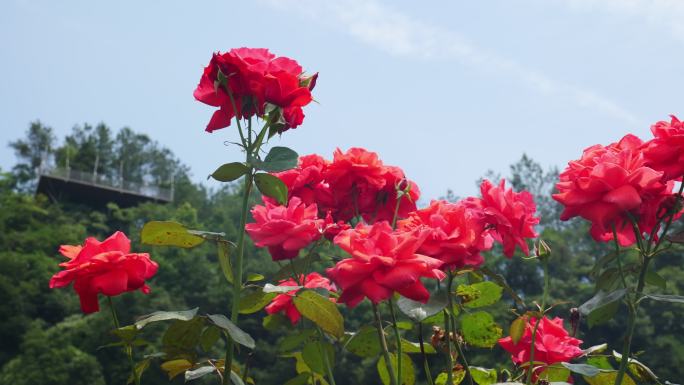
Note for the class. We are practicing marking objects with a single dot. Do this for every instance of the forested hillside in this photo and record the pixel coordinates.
(45, 339)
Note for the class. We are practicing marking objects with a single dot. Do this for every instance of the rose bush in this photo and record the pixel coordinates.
(354, 224)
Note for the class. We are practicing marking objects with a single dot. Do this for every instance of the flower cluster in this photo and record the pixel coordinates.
(624, 185)
(106, 267)
(243, 81)
(552, 343)
(325, 197)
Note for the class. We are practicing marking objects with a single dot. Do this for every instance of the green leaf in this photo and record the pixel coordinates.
(501, 280)
(175, 367)
(408, 374)
(183, 315)
(517, 328)
(274, 321)
(278, 159)
(254, 277)
(483, 376)
(479, 294)
(314, 354)
(364, 343)
(320, 311)
(458, 377)
(294, 341)
(418, 311)
(199, 372)
(607, 379)
(235, 379)
(230, 172)
(595, 349)
(166, 233)
(301, 379)
(237, 334)
(209, 337)
(639, 371)
(602, 306)
(666, 298)
(655, 279)
(183, 335)
(126, 333)
(255, 301)
(138, 370)
(404, 325)
(583, 369)
(600, 362)
(480, 330)
(272, 187)
(224, 260)
(608, 280)
(414, 347)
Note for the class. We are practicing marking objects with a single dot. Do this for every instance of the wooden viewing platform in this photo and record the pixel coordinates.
(61, 184)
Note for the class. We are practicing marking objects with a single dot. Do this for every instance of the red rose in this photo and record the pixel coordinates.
(666, 151)
(306, 181)
(382, 262)
(457, 234)
(509, 214)
(552, 343)
(105, 267)
(361, 184)
(284, 229)
(610, 184)
(283, 302)
(254, 77)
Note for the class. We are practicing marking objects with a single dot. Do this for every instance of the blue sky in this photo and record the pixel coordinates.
(445, 90)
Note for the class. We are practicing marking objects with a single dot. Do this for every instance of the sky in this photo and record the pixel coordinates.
(445, 90)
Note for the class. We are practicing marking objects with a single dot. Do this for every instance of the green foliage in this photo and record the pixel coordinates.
(37, 331)
(479, 329)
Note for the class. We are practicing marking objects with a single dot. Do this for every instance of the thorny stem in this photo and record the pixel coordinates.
(452, 320)
(127, 348)
(450, 362)
(426, 365)
(383, 344)
(530, 368)
(397, 338)
(326, 362)
(237, 279)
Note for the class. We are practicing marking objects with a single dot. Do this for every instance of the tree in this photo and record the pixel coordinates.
(32, 152)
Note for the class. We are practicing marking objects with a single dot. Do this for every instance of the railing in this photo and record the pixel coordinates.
(150, 191)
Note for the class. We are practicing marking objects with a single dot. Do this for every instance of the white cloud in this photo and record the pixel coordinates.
(402, 35)
(663, 13)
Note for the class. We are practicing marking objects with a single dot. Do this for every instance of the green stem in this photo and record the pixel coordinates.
(450, 361)
(530, 368)
(397, 338)
(669, 219)
(326, 362)
(383, 344)
(127, 348)
(237, 272)
(426, 365)
(457, 341)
